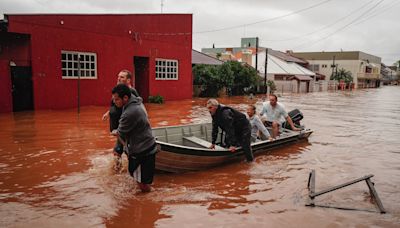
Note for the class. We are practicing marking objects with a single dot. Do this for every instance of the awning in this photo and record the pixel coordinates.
(303, 77)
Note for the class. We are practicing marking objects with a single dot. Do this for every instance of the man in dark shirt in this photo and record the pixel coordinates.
(135, 132)
(235, 125)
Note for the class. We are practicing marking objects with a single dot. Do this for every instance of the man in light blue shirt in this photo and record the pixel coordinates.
(273, 113)
(258, 129)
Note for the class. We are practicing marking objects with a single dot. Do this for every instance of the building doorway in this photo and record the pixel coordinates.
(22, 90)
(141, 65)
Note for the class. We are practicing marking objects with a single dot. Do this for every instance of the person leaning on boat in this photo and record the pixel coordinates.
(114, 113)
(235, 125)
(135, 132)
(273, 113)
(258, 130)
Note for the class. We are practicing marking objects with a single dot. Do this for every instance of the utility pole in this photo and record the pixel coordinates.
(265, 70)
(257, 54)
(79, 83)
(333, 65)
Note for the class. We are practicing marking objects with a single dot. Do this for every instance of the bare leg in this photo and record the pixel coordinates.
(275, 129)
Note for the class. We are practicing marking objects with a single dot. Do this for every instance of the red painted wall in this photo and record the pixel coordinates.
(14, 48)
(116, 39)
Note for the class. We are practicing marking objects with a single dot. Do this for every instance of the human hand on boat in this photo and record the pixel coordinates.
(232, 149)
(212, 146)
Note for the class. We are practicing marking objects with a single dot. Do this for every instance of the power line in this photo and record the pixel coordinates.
(322, 28)
(266, 20)
(388, 7)
(341, 28)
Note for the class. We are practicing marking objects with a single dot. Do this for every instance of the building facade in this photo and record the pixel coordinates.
(60, 61)
(365, 68)
(288, 73)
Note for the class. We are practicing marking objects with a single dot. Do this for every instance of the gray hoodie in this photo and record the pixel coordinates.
(135, 128)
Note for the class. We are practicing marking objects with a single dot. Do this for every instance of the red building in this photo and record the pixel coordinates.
(49, 61)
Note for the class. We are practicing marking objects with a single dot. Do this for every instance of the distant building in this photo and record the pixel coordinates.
(289, 73)
(388, 75)
(41, 57)
(365, 68)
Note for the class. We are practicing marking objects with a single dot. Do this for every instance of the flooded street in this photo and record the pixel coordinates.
(55, 169)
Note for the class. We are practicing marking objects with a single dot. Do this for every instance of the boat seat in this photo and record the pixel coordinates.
(201, 142)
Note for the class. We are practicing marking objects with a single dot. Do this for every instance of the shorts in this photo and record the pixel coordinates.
(142, 168)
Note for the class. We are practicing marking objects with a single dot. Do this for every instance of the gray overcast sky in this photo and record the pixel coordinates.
(371, 26)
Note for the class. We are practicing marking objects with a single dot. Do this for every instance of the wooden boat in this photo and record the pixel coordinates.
(185, 148)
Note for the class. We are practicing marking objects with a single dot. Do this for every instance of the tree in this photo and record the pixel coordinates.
(397, 64)
(344, 75)
(208, 77)
(272, 86)
(245, 77)
(233, 75)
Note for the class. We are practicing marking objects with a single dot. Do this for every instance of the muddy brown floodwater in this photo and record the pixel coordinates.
(55, 169)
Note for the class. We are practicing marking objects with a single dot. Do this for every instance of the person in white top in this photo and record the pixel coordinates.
(273, 112)
(257, 127)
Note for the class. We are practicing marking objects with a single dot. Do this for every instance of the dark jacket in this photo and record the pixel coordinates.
(135, 128)
(231, 121)
(115, 112)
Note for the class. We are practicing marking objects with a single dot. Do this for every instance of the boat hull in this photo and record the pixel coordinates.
(180, 158)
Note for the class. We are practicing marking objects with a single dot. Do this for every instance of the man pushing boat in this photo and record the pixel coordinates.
(235, 125)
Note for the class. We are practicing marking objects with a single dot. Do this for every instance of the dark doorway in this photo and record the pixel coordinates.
(22, 91)
(141, 65)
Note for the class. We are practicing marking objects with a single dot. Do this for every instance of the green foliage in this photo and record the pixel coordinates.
(397, 64)
(344, 75)
(271, 85)
(232, 75)
(158, 99)
(208, 77)
(244, 77)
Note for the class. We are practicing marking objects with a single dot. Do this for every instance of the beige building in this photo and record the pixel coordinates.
(365, 68)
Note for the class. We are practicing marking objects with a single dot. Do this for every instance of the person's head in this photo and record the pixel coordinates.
(121, 94)
(212, 105)
(125, 77)
(273, 99)
(251, 110)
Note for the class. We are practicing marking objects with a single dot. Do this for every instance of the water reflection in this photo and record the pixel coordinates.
(55, 168)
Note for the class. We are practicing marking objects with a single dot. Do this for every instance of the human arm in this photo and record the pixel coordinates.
(229, 127)
(106, 115)
(264, 109)
(214, 133)
(289, 120)
(260, 126)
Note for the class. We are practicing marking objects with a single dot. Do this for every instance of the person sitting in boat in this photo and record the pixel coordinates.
(258, 130)
(134, 131)
(235, 125)
(273, 113)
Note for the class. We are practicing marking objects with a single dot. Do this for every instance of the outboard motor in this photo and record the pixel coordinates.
(296, 116)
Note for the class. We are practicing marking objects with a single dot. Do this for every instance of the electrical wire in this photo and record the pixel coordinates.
(266, 20)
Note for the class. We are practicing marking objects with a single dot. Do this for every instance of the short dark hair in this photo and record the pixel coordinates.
(128, 73)
(122, 90)
(273, 95)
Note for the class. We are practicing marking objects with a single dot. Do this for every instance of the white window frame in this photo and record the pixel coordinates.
(167, 69)
(70, 68)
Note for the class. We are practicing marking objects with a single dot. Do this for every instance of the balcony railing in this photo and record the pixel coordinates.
(368, 76)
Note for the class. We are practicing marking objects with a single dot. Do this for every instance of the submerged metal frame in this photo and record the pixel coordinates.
(312, 194)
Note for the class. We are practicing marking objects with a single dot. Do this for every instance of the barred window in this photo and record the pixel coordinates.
(166, 69)
(71, 65)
